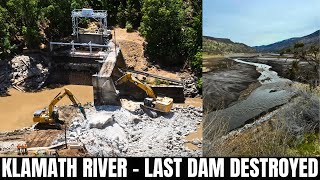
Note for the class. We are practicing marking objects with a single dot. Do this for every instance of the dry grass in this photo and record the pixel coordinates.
(292, 131)
(213, 129)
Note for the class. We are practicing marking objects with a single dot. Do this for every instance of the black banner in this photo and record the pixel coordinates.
(149, 167)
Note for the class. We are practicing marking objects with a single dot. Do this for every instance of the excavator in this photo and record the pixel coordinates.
(50, 118)
(158, 104)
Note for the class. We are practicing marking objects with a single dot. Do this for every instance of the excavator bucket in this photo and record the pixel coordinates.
(83, 112)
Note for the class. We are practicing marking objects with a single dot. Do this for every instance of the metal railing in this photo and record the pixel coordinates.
(73, 44)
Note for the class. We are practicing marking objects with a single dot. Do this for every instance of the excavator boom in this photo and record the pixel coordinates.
(129, 77)
(60, 96)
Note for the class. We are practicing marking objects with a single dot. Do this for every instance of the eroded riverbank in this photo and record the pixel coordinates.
(275, 91)
(225, 82)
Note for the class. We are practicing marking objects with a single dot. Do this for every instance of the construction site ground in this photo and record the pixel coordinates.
(189, 138)
(16, 111)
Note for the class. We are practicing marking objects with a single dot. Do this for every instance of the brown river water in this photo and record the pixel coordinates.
(16, 110)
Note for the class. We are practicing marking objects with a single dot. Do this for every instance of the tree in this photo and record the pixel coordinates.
(310, 55)
(133, 13)
(192, 34)
(55, 12)
(6, 46)
(24, 17)
(172, 28)
(173, 32)
(112, 7)
(121, 15)
(161, 26)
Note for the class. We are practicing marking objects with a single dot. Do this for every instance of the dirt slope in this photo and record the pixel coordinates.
(132, 49)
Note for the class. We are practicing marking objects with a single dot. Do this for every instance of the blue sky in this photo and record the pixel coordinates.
(260, 22)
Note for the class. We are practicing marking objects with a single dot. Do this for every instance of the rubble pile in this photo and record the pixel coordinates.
(190, 86)
(115, 131)
(9, 140)
(9, 146)
(29, 72)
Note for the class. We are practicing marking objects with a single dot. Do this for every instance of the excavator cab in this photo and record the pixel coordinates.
(38, 113)
(152, 102)
(149, 102)
(50, 118)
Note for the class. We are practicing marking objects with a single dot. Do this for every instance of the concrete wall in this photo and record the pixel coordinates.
(104, 91)
(175, 92)
(133, 92)
(94, 38)
(120, 63)
(67, 70)
(70, 77)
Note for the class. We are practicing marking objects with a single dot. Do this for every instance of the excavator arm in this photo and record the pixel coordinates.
(129, 77)
(71, 97)
(153, 103)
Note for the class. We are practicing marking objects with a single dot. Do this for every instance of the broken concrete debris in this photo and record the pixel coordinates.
(190, 86)
(115, 131)
(28, 72)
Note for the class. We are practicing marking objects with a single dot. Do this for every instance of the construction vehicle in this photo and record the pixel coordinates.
(160, 104)
(50, 118)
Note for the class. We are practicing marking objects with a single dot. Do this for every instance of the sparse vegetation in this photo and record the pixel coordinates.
(293, 131)
(311, 55)
(199, 83)
(216, 46)
(214, 129)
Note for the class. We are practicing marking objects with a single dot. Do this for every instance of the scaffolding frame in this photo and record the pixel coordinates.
(98, 15)
(76, 15)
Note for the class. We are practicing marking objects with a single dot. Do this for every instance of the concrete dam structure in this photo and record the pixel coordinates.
(91, 58)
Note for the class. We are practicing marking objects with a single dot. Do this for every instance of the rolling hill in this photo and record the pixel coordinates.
(308, 40)
(214, 45)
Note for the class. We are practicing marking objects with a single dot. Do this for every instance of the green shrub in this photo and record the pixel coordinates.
(199, 83)
(129, 27)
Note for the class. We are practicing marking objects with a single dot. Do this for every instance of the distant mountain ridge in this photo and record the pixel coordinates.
(215, 45)
(308, 40)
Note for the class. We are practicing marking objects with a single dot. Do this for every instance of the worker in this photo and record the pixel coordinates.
(22, 149)
(25, 149)
(18, 147)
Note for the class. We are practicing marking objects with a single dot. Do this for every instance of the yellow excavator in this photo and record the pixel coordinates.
(50, 118)
(160, 104)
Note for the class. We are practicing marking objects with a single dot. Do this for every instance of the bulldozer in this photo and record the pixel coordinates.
(50, 118)
(152, 102)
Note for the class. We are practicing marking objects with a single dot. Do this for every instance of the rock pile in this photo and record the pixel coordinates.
(115, 131)
(28, 72)
(190, 86)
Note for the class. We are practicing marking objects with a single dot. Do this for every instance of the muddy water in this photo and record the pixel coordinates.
(196, 102)
(197, 135)
(273, 92)
(16, 111)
